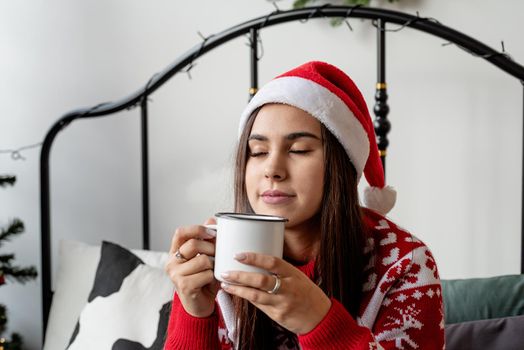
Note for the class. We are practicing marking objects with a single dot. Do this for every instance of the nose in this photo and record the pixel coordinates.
(275, 168)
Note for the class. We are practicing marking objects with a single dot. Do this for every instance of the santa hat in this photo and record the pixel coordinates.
(329, 95)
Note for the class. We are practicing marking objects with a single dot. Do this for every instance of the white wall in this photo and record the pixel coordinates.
(455, 155)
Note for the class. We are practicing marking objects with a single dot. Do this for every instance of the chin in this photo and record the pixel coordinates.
(272, 211)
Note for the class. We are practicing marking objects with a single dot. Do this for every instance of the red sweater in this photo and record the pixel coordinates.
(401, 306)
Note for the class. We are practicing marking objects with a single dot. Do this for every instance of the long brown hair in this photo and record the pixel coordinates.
(340, 261)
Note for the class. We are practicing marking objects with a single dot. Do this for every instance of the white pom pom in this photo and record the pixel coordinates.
(381, 200)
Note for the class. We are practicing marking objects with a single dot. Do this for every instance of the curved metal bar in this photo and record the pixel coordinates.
(472, 45)
(388, 16)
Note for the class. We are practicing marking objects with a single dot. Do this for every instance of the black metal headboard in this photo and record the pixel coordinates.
(380, 18)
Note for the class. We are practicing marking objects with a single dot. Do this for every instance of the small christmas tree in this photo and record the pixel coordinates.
(9, 272)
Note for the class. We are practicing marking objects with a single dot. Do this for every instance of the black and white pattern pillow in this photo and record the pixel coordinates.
(128, 307)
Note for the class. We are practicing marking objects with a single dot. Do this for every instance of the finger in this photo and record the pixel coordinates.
(189, 284)
(197, 264)
(255, 296)
(185, 233)
(260, 281)
(266, 262)
(193, 247)
(210, 221)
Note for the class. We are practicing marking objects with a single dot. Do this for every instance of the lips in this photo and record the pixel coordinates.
(276, 197)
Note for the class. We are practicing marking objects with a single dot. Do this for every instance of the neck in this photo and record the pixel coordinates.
(302, 242)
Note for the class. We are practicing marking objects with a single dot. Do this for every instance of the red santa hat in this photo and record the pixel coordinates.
(329, 95)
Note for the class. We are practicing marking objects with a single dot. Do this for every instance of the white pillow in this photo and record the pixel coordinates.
(128, 306)
(77, 263)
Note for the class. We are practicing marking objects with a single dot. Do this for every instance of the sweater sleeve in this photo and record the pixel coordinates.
(185, 331)
(407, 314)
(338, 330)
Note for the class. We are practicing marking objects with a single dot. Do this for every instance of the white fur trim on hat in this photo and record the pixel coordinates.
(381, 200)
(322, 104)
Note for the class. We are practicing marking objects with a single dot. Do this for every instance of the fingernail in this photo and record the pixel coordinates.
(211, 232)
(225, 275)
(224, 286)
(240, 256)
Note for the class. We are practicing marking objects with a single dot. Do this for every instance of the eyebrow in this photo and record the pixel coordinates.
(290, 137)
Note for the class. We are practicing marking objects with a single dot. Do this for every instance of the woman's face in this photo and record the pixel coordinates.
(285, 168)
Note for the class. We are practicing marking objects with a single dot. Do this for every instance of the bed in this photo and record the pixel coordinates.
(482, 313)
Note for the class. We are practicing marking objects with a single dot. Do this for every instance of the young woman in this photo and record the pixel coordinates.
(350, 278)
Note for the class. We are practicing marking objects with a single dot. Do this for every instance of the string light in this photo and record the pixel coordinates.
(317, 10)
(274, 2)
(486, 56)
(259, 43)
(348, 14)
(17, 155)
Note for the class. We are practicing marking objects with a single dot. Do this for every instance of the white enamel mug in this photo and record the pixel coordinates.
(241, 233)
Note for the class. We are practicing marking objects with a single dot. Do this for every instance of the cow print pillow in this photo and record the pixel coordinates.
(128, 307)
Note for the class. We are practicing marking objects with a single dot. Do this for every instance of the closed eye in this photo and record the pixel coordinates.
(299, 151)
(257, 154)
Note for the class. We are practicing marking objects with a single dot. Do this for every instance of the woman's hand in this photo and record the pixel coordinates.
(191, 269)
(299, 304)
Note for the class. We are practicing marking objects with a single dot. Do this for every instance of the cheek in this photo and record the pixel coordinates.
(250, 179)
(313, 182)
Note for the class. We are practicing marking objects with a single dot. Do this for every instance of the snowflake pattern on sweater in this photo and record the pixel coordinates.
(401, 306)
